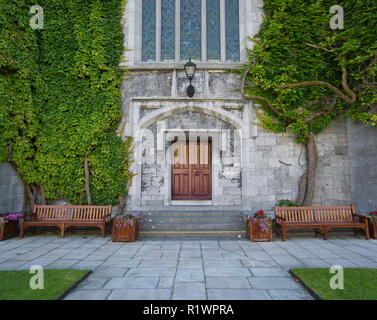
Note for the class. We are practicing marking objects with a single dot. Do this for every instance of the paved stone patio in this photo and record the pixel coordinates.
(205, 269)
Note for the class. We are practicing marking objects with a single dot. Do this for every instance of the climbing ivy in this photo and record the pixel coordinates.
(73, 99)
(303, 73)
(19, 82)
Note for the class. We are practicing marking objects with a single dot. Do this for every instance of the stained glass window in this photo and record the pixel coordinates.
(191, 29)
(149, 30)
(167, 30)
(232, 30)
(213, 30)
(188, 24)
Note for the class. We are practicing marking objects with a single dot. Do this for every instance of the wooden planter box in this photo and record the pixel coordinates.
(125, 234)
(373, 229)
(255, 235)
(9, 230)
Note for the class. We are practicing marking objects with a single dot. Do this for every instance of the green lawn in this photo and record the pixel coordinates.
(14, 285)
(359, 283)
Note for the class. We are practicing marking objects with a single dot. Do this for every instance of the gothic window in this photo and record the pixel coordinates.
(149, 30)
(177, 30)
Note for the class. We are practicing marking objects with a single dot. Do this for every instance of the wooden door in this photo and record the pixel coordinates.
(191, 171)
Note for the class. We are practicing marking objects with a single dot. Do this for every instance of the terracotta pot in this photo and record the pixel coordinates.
(373, 229)
(255, 234)
(125, 233)
(9, 230)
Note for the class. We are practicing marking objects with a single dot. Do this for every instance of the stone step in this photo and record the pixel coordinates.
(184, 224)
(194, 235)
(192, 226)
(183, 213)
(191, 219)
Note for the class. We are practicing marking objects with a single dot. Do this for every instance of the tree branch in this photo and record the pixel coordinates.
(87, 182)
(322, 113)
(372, 63)
(317, 47)
(258, 98)
(346, 87)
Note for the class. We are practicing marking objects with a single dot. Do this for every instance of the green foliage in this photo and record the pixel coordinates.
(73, 99)
(19, 77)
(286, 203)
(359, 283)
(15, 285)
(296, 44)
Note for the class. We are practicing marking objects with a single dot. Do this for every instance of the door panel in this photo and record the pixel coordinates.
(191, 171)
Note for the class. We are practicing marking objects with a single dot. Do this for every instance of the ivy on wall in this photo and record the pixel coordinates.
(73, 97)
(304, 73)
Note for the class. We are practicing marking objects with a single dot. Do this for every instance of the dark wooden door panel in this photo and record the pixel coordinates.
(191, 171)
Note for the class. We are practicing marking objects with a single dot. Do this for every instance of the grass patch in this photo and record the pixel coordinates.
(359, 283)
(15, 285)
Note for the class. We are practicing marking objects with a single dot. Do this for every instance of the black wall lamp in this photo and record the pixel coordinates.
(190, 69)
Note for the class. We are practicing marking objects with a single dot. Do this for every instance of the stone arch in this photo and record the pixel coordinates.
(165, 112)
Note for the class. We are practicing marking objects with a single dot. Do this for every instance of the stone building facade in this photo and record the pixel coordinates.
(244, 168)
(249, 169)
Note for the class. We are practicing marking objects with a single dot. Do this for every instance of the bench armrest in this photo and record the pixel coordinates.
(279, 217)
(361, 216)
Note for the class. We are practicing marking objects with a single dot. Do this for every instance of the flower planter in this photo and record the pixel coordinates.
(373, 229)
(125, 233)
(255, 234)
(9, 230)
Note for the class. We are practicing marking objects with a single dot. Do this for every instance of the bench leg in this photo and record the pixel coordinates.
(325, 233)
(283, 232)
(103, 229)
(277, 230)
(62, 228)
(366, 229)
(22, 229)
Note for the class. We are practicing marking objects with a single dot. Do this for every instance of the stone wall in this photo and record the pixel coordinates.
(271, 165)
(12, 190)
(363, 166)
(278, 162)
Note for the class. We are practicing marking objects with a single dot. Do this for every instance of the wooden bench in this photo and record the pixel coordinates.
(319, 218)
(65, 217)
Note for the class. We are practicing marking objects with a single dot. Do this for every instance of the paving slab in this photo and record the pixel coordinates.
(228, 263)
(273, 283)
(290, 295)
(151, 272)
(132, 283)
(227, 283)
(121, 262)
(165, 263)
(141, 294)
(81, 294)
(189, 291)
(190, 263)
(269, 272)
(87, 265)
(226, 272)
(184, 275)
(237, 294)
(93, 283)
(12, 264)
(110, 272)
(62, 264)
(166, 282)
